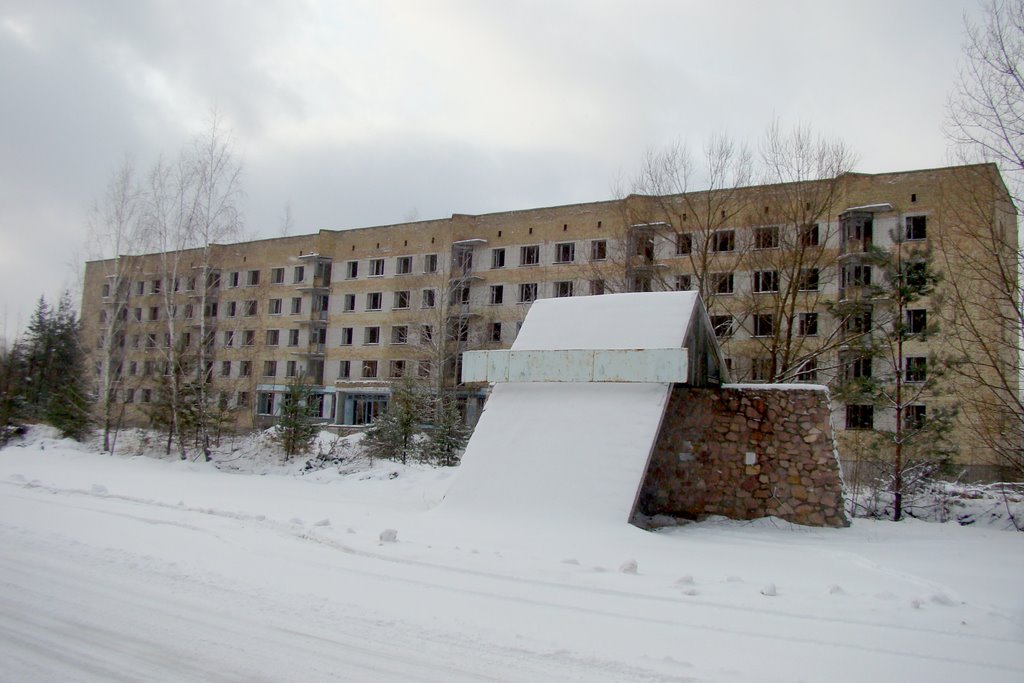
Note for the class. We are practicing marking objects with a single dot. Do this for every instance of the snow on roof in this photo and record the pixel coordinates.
(651, 320)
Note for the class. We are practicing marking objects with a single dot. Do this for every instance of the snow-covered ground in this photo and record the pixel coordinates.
(136, 568)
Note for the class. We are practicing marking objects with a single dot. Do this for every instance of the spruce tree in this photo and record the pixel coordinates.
(449, 435)
(297, 426)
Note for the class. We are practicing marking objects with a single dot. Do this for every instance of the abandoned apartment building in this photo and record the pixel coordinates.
(352, 310)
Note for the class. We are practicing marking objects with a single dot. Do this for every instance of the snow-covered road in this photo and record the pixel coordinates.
(130, 569)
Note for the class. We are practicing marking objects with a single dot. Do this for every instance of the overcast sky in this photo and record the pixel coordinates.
(367, 113)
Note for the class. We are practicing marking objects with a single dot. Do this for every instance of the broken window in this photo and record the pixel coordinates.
(403, 265)
(766, 237)
(527, 292)
(529, 256)
(563, 289)
(497, 258)
(860, 417)
(723, 240)
(916, 227)
(565, 252)
(598, 250)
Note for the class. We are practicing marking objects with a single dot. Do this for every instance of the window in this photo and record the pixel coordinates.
(232, 309)
(529, 256)
(248, 337)
(684, 282)
(767, 237)
(373, 301)
(376, 267)
(140, 288)
(766, 281)
(273, 337)
(399, 334)
(598, 250)
(150, 341)
(397, 369)
(565, 252)
(808, 371)
(252, 278)
(860, 417)
(243, 399)
(290, 369)
(857, 367)
(265, 403)
(293, 337)
(722, 283)
(344, 369)
(761, 369)
(426, 334)
(186, 339)
(129, 395)
(229, 338)
(269, 368)
(137, 314)
(497, 258)
(211, 309)
(154, 313)
(429, 298)
(403, 265)
(497, 295)
(916, 369)
(245, 368)
(371, 335)
(858, 323)
(596, 287)
(917, 321)
(233, 279)
(369, 368)
(459, 294)
(527, 292)
(807, 325)
(225, 368)
(809, 235)
(401, 299)
(346, 336)
(764, 324)
(684, 243)
(495, 332)
(276, 276)
(856, 276)
(352, 270)
(723, 240)
(917, 227)
(642, 283)
(274, 307)
(430, 263)
(349, 303)
(155, 287)
(809, 279)
(914, 416)
(563, 289)
(458, 329)
(722, 325)
(250, 308)
(133, 368)
(147, 395)
(424, 368)
(298, 274)
(103, 315)
(135, 341)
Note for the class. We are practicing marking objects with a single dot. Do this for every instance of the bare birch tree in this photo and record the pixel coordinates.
(115, 235)
(986, 124)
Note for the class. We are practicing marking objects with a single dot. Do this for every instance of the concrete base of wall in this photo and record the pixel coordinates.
(746, 452)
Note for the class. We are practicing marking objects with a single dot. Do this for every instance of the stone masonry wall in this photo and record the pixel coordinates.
(746, 452)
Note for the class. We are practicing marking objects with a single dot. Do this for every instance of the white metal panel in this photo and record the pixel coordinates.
(576, 365)
(474, 366)
(647, 365)
(551, 366)
(497, 366)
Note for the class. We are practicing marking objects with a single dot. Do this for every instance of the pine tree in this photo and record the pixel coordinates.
(68, 404)
(297, 426)
(12, 384)
(393, 435)
(917, 446)
(449, 435)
